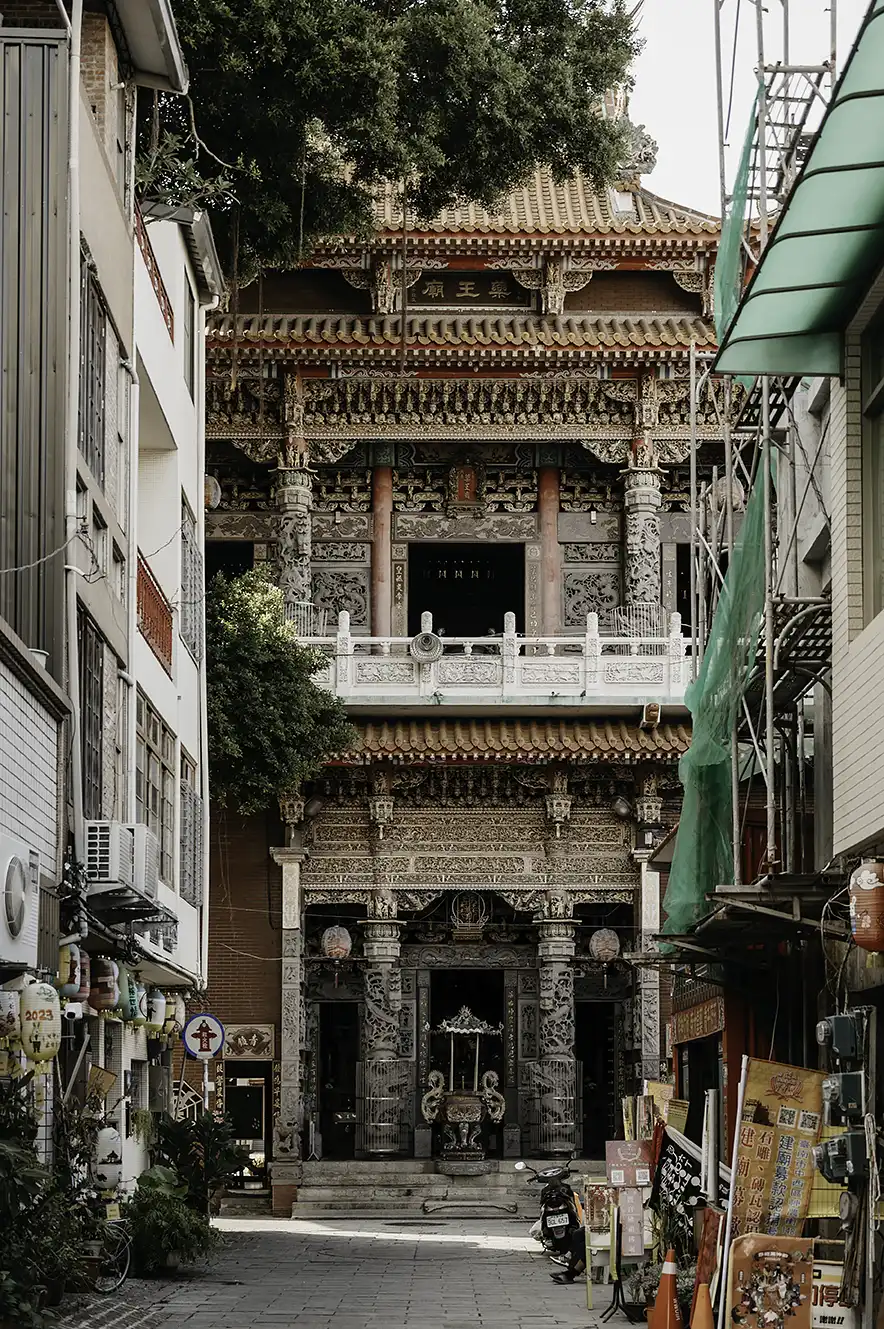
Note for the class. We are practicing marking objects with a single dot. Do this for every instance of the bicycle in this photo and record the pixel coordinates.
(110, 1256)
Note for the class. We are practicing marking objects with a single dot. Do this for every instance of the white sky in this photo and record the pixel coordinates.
(674, 95)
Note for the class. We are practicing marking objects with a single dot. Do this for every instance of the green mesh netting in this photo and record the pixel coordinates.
(729, 260)
(703, 856)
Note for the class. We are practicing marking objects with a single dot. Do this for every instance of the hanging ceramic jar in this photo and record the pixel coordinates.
(108, 1170)
(867, 906)
(104, 994)
(140, 1016)
(128, 1004)
(85, 976)
(10, 1014)
(40, 1022)
(156, 1011)
(68, 981)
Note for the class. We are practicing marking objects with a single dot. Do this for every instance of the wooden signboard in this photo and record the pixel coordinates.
(628, 1162)
(699, 1021)
(482, 289)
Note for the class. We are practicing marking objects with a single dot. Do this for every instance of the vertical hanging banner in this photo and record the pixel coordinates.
(782, 1118)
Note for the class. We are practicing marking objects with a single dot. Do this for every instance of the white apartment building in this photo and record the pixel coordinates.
(101, 514)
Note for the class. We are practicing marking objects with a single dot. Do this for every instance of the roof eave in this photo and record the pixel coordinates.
(200, 245)
(152, 38)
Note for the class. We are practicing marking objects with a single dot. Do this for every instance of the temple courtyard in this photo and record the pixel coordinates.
(357, 1274)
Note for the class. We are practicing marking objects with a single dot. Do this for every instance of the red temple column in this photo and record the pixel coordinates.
(550, 564)
(382, 552)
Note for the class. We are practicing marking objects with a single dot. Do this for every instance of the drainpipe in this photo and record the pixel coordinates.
(204, 719)
(72, 422)
(131, 580)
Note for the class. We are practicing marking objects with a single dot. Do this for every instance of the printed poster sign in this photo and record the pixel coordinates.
(677, 1182)
(770, 1282)
(826, 1310)
(632, 1224)
(782, 1118)
(628, 1162)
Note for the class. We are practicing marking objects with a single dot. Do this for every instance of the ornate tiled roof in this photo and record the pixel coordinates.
(543, 207)
(516, 740)
(443, 330)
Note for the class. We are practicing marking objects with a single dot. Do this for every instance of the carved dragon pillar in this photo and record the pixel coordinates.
(382, 985)
(642, 500)
(294, 501)
(556, 1071)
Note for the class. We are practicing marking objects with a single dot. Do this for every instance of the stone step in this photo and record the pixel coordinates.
(244, 1204)
(412, 1205)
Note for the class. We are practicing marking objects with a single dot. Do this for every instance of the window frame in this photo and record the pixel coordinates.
(90, 645)
(193, 585)
(93, 374)
(155, 782)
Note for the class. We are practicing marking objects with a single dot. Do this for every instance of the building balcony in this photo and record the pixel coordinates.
(155, 622)
(584, 673)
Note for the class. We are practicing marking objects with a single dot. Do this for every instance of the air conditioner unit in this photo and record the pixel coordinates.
(19, 915)
(110, 854)
(147, 861)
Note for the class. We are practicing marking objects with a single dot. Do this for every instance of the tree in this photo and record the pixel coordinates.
(462, 98)
(270, 725)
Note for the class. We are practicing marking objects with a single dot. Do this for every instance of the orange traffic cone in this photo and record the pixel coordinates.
(702, 1316)
(667, 1312)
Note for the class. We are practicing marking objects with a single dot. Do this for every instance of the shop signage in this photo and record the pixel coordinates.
(628, 1162)
(632, 1224)
(782, 1116)
(698, 1021)
(826, 1311)
(203, 1037)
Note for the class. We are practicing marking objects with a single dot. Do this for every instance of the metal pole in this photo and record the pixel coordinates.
(729, 1223)
(770, 738)
(701, 575)
(872, 1206)
(833, 42)
(694, 516)
(719, 95)
(205, 1084)
(762, 131)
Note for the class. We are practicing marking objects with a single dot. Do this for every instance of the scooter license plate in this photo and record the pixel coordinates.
(557, 1220)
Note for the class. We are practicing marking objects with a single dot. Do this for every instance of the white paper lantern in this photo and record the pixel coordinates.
(156, 1011)
(68, 981)
(40, 1022)
(336, 943)
(108, 1170)
(141, 1004)
(128, 1004)
(10, 1014)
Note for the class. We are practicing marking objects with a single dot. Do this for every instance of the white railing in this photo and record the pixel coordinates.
(509, 669)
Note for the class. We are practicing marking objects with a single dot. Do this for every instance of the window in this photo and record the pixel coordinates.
(191, 861)
(99, 543)
(192, 585)
(873, 468)
(119, 574)
(189, 338)
(155, 782)
(93, 338)
(91, 651)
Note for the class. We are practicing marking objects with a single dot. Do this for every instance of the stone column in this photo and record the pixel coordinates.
(286, 1166)
(648, 810)
(381, 1066)
(550, 561)
(294, 500)
(642, 499)
(556, 1072)
(382, 552)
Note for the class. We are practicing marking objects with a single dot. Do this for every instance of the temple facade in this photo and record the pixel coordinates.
(463, 452)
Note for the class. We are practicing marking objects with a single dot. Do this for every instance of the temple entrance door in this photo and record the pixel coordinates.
(338, 1057)
(467, 588)
(482, 990)
(595, 1048)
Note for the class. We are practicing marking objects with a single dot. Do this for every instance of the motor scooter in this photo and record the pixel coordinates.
(560, 1208)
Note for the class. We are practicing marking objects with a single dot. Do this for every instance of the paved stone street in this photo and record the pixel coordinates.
(358, 1274)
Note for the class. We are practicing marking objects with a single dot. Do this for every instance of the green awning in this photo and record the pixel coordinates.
(828, 244)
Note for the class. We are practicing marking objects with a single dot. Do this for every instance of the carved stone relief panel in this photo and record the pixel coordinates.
(464, 955)
(532, 590)
(261, 526)
(592, 551)
(528, 1026)
(435, 526)
(341, 525)
(335, 589)
(586, 591)
(529, 984)
(341, 551)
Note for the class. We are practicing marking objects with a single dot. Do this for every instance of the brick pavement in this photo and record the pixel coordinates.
(356, 1274)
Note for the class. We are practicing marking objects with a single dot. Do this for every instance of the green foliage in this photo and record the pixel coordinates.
(201, 1153)
(144, 1126)
(164, 1225)
(270, 726)
(461, 97)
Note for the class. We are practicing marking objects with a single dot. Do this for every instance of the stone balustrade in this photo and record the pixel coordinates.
(574, 672)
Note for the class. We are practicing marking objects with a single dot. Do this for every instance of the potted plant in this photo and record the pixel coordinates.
(166, 1231)
(203, 1154)
(640, 1288)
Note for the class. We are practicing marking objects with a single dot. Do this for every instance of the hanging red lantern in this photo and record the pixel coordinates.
(867, 906)
(104, 994)
(336, 943)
